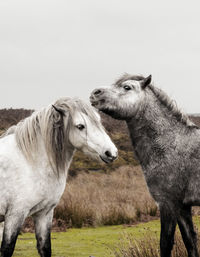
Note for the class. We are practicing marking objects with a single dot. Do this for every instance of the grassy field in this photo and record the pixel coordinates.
(85, 242)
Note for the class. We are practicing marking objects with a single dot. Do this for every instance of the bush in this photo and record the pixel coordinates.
(148, 246)
(9, 117)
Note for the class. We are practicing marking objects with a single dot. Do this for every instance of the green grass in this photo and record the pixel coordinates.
(87, 242)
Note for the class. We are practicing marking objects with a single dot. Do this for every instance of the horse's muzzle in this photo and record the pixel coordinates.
(97, 97)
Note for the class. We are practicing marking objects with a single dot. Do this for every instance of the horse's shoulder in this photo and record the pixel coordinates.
(7, 142)
(9, 151)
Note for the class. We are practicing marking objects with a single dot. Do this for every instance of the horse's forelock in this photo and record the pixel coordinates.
(127, 76)
(90, 112)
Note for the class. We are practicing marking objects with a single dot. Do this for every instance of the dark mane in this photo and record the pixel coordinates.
(171, 106)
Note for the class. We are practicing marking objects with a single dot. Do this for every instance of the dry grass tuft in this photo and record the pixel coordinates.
(148, 247)
(92, 199)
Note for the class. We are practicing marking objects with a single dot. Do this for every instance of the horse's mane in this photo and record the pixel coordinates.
(52, 128)
(172, 107)
(163, 98)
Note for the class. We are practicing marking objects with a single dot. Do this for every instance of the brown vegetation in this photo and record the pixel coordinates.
(9, 117)
(149, 247)
(120, 197)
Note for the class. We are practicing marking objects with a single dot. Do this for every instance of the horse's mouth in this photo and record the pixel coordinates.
(105, 160)
(103, 106)
(108, 159)
(97, 103)
(100, 104)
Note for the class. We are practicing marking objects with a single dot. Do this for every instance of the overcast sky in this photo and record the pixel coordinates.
(54, 48)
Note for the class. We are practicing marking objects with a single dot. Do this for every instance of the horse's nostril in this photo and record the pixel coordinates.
(97, 92)
(108, 154)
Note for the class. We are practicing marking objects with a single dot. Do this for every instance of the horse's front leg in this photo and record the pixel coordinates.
(12, 225)
(168, 226)
(43, 222)
(187, 230)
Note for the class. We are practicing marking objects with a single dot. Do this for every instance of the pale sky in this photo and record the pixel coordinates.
(55, 48)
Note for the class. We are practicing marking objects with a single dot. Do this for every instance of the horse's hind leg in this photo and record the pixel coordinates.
(187, 230)
(168, 226)
(12, 226)
(43, 222)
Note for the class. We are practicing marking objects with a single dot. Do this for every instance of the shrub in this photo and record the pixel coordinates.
(148, 246)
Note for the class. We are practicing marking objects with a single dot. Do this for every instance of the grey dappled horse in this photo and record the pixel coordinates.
(167, 144)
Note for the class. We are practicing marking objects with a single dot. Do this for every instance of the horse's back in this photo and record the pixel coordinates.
(10, 156)
(7, 144)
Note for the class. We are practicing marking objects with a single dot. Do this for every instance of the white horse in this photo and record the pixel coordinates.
(34, 159)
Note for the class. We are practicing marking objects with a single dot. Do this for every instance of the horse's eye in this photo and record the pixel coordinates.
(127, 88)
(80, 126)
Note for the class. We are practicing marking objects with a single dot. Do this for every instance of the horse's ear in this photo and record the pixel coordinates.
(145, 82)
(59, 110)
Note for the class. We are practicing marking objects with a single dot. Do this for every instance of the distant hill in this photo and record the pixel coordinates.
(9, 117)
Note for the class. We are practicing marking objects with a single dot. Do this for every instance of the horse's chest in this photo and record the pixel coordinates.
(47, 196)
(165, 182)
(52, 189)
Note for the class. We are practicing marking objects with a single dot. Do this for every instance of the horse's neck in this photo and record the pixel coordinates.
(42, 164)
(152, 131)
